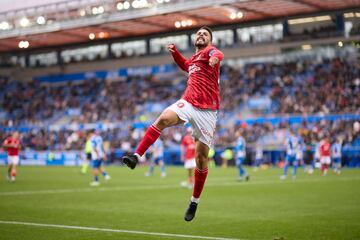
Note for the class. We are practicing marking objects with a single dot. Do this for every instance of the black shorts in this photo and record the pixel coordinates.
(88, 156)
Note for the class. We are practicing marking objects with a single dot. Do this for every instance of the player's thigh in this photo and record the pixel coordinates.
(13, 160)
(239, 161)
(96, 164)
(203, 124)
(167, 118)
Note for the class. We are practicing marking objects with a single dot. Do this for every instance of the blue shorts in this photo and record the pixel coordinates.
(337, 160)
(96, 163)
(239, 161)
(156, 160)
(291, 160)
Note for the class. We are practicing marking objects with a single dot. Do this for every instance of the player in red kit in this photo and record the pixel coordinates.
(188, 157)
(325, 159)
(12, 146)
(198, 106)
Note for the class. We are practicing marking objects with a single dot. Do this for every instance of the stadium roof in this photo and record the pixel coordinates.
(79, 21)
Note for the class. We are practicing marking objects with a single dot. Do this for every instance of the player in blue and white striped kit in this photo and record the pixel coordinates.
(336, 153)
(291, 147)
(240, 154)
(157, 157)
(98, 156)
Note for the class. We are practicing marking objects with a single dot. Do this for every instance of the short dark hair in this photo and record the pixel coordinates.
(207, 29)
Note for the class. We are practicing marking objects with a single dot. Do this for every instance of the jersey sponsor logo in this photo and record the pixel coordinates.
(193, 68)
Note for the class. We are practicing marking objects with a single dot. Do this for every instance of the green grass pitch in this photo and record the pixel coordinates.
(312, 207)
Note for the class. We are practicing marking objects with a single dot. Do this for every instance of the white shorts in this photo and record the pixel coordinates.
(325, 160)
(190, 163)
(13, 160)
(203, 121)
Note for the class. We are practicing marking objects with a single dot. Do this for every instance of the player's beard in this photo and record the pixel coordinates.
(201, 44)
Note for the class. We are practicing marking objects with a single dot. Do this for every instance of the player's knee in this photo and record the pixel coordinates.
(201, 157)
(163, 122)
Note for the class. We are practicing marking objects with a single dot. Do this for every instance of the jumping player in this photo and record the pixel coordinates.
(198, 106)
(188, 157)
(12, 145)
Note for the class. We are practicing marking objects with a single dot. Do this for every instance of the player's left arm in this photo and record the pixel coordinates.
(216, 56)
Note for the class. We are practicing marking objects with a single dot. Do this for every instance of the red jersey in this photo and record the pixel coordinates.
(12, 151)
(188, 147)
(325, 148)
(202, 89)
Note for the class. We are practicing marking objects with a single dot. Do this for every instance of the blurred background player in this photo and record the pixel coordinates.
(308, 158)
(291, 146)
(211, 158)
(258, 156)
(188, 157)
(299, 156)
(325, 151)
(98, 156)
(157, 157)
(240, 154)
(316, 161)
(336, 154)
(226, 156)
(12, 146)
(87, 151)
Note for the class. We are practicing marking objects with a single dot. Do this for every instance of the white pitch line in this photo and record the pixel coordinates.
(154, 187)
(116, 230)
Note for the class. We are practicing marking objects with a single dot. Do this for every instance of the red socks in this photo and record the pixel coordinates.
(151, 135)
(200, 177)
(324, 167)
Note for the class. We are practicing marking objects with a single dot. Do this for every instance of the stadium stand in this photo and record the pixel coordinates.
(56, 91)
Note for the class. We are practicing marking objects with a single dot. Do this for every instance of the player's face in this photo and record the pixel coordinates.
(202, 38)
(16, 135)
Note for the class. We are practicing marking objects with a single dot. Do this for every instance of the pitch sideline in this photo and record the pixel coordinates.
(115, 230)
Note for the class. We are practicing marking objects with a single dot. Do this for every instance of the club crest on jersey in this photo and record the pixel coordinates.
(193, 68)
(180, 104)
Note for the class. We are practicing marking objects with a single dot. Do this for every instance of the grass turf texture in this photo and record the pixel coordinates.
(312, 207)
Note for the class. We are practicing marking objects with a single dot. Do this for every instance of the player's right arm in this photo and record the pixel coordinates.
(178, 58)
(7, 144)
